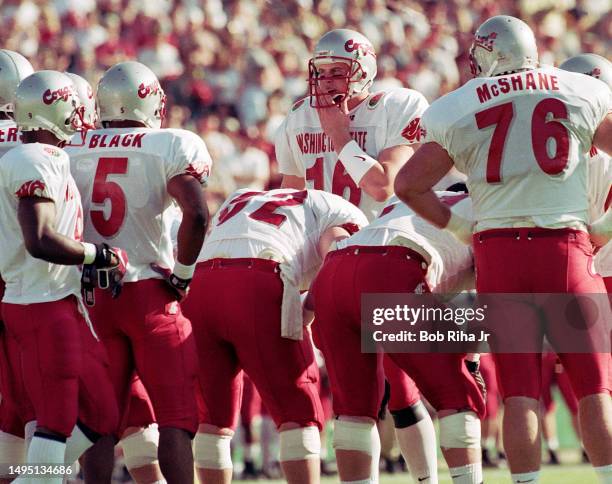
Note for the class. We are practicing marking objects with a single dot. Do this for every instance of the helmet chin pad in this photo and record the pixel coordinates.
(320, 99)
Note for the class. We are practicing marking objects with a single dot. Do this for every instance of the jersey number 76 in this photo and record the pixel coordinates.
(542, 129)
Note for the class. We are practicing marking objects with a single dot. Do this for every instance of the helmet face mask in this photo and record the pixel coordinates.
(341, 46)
(88, 115)
(502, 44)
(47, 100)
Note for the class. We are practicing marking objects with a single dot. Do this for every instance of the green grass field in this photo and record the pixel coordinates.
(566, 474)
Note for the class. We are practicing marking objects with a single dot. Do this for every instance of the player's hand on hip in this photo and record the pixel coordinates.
(106, 272)
(474, 368)
(178, 287)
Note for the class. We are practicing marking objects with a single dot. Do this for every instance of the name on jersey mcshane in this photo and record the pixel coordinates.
(321, 143)
(129, 140)
(518, 82)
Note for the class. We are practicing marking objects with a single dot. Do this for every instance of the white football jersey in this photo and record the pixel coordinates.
(450, 261)
(382, 120)
(600, 196)
(40, 170)
(122, 174)
(283, 224)
(9, 136)
(523, 140)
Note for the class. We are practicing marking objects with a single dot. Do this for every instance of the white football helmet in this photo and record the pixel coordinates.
(14, 68)
(47, 100)
(86, 95)
(590, 64)
(130, 91)
(350, 47)
(503, 44)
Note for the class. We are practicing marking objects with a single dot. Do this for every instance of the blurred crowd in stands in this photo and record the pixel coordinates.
(233, 68)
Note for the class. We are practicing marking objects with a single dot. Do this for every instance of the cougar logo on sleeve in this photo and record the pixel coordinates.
(413, 132)
(32, 188)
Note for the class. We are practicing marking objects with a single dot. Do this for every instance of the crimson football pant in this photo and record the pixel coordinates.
(235, 309)
(550, 376)
(145, 331)
(535, 260)
(15, 407)
(64, 368)
(139, 411)
(403, 392)
(487, 370)
(357, 379)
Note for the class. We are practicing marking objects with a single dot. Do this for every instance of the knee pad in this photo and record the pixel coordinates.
(354, 436)
(409, 416)
(460, 431)
(140, 449)
(213, 451)
(12, 452)
(300, 444)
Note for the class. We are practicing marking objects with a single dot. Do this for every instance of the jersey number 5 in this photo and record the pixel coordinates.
(542, 129)
(108, 190)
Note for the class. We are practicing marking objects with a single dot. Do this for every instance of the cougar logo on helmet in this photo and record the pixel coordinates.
(49, 96)
(365, 49)
(146, 90)
(485, 41)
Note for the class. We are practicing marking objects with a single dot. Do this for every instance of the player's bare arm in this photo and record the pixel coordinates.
(330, 238)
(37, 219)
(603, 136)
(188, 193)
(292, 181)
(413, 185)
(414, 182)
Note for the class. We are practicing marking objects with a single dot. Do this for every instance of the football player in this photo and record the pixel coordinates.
(348, 141)
(398, 252)
(13, 69)
(130, 173)
(62, 363)
(139, 441)
(600, 165)
(246, 313)
(342, 138)
(522, 134)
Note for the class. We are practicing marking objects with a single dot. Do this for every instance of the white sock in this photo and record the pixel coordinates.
(467, 474)
(248, 451)
(489, 444)
(375, 436)
(362, 481)
(47, 451)
(76, 445)
(526, 477)
(604, 473)
(419, 448)
(268, 442)
(28, 432)
(552, 444)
